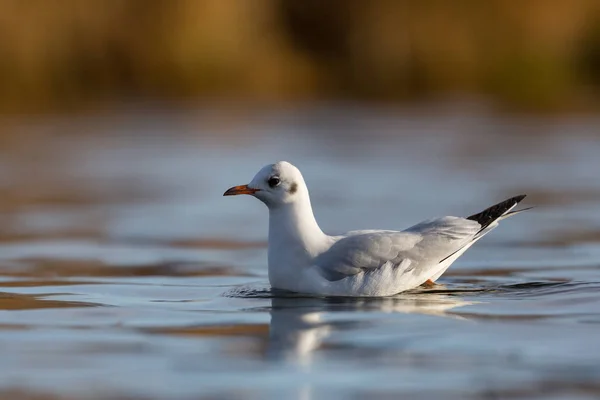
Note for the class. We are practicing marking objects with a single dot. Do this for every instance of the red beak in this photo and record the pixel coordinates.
(242, 189)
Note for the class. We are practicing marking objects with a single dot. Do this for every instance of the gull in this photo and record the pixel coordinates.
(365, 263)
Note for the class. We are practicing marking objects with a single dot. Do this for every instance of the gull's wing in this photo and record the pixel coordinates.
(420, 249)
(423, 245)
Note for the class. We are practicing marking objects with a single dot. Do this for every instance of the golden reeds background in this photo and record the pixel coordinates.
(531, 54)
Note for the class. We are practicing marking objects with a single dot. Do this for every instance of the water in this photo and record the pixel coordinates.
(125, 274)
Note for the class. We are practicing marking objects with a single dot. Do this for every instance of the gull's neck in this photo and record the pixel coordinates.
(294, 224)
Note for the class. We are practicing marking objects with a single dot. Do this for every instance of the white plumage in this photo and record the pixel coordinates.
(359, 263)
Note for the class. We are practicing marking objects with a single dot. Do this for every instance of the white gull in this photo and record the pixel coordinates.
(368, 263)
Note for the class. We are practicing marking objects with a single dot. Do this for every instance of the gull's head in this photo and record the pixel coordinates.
(275, 184)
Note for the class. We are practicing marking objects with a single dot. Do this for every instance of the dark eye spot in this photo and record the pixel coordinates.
(293, 188)
(273, 181)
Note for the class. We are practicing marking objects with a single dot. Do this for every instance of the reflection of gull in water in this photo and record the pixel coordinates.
(430, 304)
(298, 328)
(295, 332)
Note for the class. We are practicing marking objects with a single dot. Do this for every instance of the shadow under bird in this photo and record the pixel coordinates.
(361, 263)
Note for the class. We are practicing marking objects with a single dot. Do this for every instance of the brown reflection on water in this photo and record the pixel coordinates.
(13, 327)
(261, 330)
(39, 268)
(17, 394)
(40, 283)
(544, 197)
(566, 238)
(217, 244)
(550, 388)
(14, 301)
(19, 237)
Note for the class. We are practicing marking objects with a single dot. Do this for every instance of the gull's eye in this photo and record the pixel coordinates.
(273, 181)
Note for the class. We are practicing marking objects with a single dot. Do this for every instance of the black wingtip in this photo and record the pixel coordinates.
(489, 215)
(519, 198)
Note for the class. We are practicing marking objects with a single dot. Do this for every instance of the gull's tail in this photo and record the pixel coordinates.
(488, 220)
(498, 212)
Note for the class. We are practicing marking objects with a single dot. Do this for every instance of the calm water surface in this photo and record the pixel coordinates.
(124, 273)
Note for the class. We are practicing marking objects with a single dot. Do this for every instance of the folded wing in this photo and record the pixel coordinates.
(423, 245)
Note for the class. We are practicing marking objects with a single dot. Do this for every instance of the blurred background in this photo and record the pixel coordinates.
(124, 273)
(68, 54)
